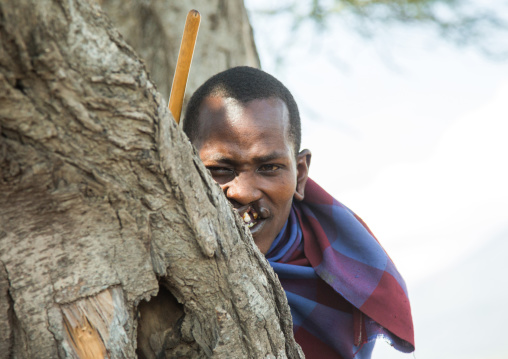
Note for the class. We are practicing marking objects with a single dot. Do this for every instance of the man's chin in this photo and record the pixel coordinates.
(262, 236)
(259, 228)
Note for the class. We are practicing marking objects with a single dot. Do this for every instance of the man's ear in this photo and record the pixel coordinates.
(302, 173)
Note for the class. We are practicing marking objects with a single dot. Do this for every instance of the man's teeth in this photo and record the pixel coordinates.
(246, 217)
(248, 220)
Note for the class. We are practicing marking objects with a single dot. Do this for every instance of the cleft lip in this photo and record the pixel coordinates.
(254, 217)
(242, 210)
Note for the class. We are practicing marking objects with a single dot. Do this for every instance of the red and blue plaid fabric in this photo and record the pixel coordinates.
(343, 289)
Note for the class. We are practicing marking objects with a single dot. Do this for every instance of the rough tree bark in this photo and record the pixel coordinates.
(104, 204)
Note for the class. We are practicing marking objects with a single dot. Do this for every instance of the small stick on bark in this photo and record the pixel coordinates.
(190, 34)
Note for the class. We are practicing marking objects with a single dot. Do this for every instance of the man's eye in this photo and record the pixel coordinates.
(221, 171)
(269, 168)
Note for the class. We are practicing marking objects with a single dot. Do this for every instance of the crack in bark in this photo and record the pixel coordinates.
(10, 308)
(16, 329)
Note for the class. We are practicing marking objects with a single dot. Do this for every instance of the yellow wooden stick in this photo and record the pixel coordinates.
(190, 34)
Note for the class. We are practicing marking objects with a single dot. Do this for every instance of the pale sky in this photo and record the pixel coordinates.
(410, 132)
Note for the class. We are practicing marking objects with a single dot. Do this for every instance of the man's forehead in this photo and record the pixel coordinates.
(216, 102)
(220, 109)
(230, 113)
(259, 124)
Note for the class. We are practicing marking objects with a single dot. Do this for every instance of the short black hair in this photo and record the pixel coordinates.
(243, 84)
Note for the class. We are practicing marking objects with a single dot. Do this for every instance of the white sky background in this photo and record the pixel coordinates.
(411, 133)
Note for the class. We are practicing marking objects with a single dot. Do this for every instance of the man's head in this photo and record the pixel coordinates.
(243, 84)
(246, 128)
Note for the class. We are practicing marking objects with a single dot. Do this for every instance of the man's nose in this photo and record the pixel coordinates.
(243, 189)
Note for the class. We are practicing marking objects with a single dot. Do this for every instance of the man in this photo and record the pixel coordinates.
(342, 288)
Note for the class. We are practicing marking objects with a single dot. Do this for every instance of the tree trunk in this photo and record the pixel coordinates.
(104, 204)
(154, 29)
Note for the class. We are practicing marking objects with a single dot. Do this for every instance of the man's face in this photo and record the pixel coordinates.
(248, 151)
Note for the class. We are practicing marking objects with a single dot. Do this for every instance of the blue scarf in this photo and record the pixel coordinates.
(342, 288)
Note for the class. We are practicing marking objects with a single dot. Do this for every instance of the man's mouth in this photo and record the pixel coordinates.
(249, 217)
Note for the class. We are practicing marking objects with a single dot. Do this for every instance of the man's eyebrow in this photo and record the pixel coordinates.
(220, 158)
(217, 157)
(269, 157)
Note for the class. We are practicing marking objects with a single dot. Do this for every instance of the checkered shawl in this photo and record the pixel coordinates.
(342, 288)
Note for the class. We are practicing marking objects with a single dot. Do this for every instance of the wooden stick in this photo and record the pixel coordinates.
(190, 34)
